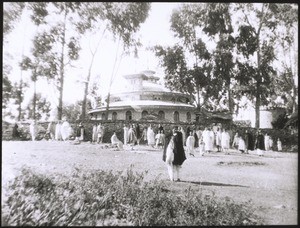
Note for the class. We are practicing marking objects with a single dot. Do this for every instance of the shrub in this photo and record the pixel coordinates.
(102, 198)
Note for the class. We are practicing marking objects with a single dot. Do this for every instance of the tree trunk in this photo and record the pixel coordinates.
(230, 106)
(258, 81)
(61, 88)
(20, 99)
(34, 100)
(83, 110)
(107, 106)
(198, 98)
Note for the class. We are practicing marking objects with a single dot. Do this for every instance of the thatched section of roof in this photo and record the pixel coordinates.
(204, 114)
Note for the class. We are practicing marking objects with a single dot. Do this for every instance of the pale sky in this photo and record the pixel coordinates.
(155, 30)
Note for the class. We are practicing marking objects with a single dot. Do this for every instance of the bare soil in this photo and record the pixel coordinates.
(270, 182)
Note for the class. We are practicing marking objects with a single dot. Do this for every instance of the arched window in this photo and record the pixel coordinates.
(188, 116)
(161, 115)
(176, 116)
(144, 114)
(128, 115)
(114, 116)
(103, 116)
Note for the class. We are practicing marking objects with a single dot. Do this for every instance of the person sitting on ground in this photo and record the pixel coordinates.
(116, 142)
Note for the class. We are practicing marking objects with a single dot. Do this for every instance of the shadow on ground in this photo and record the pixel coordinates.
(214, 184)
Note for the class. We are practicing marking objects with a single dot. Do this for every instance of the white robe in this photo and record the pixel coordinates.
(206, 139)
(33, 131)
(218, 138)
(190, 144)
(242, 145)
(225, 140)
(212, 140)
(150, 136)
(115, 141)
(65, 130)
(267, 142)
(126, 129)
(58, 131)
(94, 133)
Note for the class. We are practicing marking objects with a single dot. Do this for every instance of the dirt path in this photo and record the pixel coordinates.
(271, 184)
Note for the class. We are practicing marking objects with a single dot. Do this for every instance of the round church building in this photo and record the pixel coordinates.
(146, 99)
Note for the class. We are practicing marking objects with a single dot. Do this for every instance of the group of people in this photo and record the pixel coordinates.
(245, 142)
(58, 130)
(61, 131)
(134, 136)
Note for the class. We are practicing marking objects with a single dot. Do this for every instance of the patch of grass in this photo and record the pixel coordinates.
(241, 163)
(106, 198)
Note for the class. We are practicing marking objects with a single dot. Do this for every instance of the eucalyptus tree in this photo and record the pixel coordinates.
(187, 64)
(198, 26)
(217, 24)
(57, 44)
(93, 24)
(39, 108)
(124, 20)
(12, 12)
(286, 82)
(256, 39)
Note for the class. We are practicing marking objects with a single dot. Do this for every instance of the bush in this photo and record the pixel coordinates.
(102, 198)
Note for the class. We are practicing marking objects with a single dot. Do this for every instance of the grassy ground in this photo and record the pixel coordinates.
(270, 182)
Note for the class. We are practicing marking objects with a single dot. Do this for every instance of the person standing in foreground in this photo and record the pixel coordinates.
(175, 155)
(259, 143)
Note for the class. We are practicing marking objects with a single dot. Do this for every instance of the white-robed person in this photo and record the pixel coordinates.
(58, 130)
(279, 145)
(218, 139)
(65, 130)
(190, 144)
(100, 133)
(33, 130)
(206, 140)
(212, 139)
(225, 141)
(116, 142)
(125, 129)
(242, 144)
(150, 136)
(267, 142)
(94, 135)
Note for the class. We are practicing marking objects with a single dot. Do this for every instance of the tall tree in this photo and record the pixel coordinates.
(57, 46)
(190, 23)
(286, 82)
(256, 40)
(124, 20)
(12, 12)
(217, 24)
